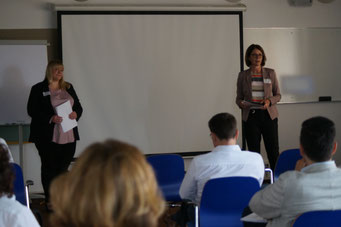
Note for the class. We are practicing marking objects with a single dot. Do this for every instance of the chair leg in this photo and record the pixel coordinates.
(27, 199)
(196, 210)
(271, 175)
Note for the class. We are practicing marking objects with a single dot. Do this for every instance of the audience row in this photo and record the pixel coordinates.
(111, 183)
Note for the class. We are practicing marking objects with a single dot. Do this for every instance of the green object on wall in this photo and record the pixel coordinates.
(10, 133)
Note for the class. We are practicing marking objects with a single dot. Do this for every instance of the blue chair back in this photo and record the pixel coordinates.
(169, 171)
(224, 199)
(322, 218)
(286, 161)
(19, 185)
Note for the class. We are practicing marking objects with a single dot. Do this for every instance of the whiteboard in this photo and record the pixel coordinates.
(307, 60)
(152, 79)
(22, 64)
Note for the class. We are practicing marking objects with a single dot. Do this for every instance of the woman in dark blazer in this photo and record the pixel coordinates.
(56, 148)
(257, 95)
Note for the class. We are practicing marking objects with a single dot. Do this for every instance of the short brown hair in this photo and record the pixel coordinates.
(224, 125)
(317, 138)
(249, 51)
(111, 184)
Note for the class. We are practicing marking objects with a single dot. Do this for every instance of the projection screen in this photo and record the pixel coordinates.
(152, 79)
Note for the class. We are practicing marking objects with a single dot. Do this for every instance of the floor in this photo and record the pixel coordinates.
(39, 210)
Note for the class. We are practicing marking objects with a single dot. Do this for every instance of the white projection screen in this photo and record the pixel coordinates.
(152, 79)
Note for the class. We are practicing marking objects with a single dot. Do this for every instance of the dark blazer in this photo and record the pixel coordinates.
(271, 91)
(40, 109)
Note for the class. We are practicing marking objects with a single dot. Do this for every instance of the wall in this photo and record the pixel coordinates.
(36, 14)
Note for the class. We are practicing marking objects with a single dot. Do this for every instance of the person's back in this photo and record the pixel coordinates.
(314, 188)
(315, 185)
(12, 213)
(225, 160)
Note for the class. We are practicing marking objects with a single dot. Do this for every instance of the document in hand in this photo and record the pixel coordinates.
(253, 105)
(253, 218)
(63, 110)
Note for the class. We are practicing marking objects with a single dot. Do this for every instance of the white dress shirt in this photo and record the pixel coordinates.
(222, 161)
(14, 214)
(315, 187)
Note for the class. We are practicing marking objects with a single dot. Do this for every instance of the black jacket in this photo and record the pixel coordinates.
(40, 109)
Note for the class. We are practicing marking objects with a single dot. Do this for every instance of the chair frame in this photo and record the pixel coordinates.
(253, 186)
(286, 155)
(20, 187)
(158, 161)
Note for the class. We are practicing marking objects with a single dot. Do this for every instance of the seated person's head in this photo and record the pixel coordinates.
(223, 126)
(317, 139)
(6, 173)
(111, 184)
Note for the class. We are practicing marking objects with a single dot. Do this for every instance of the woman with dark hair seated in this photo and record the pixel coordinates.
(12, 213)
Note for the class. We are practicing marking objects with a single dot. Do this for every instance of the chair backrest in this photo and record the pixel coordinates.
(224, 199)
(19, 185)
(322, 218)
(286, 161)
(169, 171)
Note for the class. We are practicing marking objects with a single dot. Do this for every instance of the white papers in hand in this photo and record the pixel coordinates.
(63, 110)
(252, 105)
(253, 218)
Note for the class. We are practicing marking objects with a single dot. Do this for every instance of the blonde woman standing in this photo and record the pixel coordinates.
(56, 148)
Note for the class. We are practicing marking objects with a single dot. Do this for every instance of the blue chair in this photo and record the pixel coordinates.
(286, 161)
(321, 218)
(20, 189)
(169, 171)
(224, 199)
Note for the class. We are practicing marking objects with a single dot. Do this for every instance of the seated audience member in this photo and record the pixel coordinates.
(225, 160)
(12, 213)
(3, 142)
(315, 185)
(111, 184)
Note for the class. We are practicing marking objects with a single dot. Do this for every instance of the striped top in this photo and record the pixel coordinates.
(257, 85)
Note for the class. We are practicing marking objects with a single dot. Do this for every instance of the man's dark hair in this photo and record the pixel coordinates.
(317, 138)
(224, 125)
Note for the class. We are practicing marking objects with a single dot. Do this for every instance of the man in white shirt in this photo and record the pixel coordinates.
(225, 160)
(315, 185)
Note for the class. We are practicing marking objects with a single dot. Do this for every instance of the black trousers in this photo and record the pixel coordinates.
(55, 159)
(260, 124)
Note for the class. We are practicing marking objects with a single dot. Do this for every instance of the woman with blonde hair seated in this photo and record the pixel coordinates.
(110, 185)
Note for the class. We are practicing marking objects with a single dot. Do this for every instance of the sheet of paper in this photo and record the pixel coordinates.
(253, 105)
(253, 218)
(63, 110)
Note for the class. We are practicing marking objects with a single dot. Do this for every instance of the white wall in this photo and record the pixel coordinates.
(19, 14)
(36, 14)
(278, 13)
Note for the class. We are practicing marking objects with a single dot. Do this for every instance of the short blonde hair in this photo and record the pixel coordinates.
(110, 185)
(49, 72)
